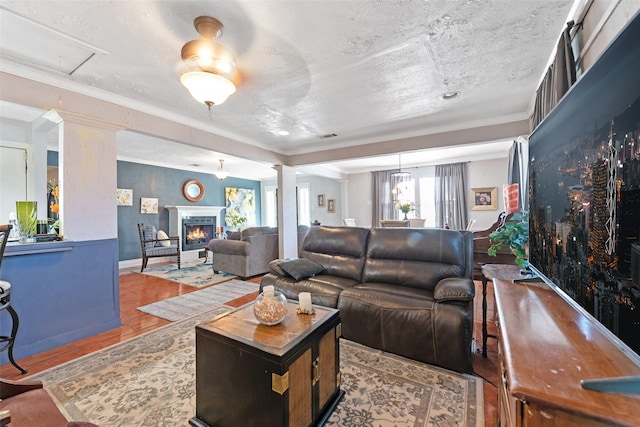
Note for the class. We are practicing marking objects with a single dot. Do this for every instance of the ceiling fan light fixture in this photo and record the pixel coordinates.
(207, 87)
(221, 173)
(211, 75)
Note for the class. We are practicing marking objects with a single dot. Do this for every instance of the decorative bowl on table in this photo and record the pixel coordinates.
(270, 308)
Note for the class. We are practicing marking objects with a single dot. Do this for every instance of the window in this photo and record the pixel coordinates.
(271, 205)
(428, 200)
(304, 204)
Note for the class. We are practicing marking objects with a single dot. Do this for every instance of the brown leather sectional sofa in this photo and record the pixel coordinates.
(406, 291)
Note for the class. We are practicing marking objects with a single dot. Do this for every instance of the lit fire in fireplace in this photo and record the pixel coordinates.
(196, 234)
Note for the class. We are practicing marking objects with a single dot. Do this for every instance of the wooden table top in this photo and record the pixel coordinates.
(549, 347)
(242, 325)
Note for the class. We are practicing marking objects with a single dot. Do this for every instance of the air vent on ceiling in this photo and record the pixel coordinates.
(329, 135)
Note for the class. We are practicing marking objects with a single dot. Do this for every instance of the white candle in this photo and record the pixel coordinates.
(268, 291)
(305, 301)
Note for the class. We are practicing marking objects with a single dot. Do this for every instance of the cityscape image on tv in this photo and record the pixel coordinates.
(585, 219)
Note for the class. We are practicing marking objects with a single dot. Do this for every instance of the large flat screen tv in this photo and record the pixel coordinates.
(584, 193)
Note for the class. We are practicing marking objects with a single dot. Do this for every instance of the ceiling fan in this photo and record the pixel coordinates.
(211, 75)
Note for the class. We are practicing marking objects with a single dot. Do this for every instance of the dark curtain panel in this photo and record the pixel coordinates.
(451, 196)
(383, 203)
(518, 170)
(558, 79)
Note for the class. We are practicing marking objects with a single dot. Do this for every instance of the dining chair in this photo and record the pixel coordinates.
(394, 222)
(416, 222)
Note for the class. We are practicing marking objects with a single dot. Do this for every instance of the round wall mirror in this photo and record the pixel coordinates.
(193, 190)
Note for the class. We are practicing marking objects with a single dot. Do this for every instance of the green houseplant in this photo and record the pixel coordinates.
(513, 235)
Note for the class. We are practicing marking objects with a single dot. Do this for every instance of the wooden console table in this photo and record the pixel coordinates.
(546, 348)
(490, 272)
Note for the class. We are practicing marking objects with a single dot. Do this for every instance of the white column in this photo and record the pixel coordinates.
(344, 197)
(88, 178)
(287, 218)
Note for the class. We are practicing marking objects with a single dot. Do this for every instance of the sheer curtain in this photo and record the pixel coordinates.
(383, 204)
(451, 196)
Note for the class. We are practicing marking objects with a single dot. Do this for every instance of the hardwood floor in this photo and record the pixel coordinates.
(139, 289)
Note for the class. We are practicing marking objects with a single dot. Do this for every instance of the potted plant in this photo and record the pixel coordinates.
(405, 207)
(513, 235)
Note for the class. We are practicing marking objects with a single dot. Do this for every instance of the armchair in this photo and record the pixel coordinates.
(27, 403)
(154, 247)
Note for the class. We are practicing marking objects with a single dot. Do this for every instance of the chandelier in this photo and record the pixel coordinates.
(221, 173)
(211, 75)
(400, 179)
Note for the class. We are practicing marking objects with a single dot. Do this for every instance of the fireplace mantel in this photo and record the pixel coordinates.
(176, 213)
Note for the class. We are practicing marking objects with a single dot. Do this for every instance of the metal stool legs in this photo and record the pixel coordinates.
(9, 340)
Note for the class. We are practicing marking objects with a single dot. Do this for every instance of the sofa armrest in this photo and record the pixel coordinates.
(454, 289)
(10, 388)
(228, 247)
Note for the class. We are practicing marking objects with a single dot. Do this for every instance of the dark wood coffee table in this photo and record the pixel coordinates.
(248, 374)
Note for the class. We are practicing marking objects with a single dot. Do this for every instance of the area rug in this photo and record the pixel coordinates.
(193, 273)
(150, 381)
(186, 305)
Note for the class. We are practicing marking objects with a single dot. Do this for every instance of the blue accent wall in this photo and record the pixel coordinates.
(165, 184)
(62, 292)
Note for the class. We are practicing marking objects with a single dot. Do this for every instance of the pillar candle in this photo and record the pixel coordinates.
(305, 301)
(268, 291)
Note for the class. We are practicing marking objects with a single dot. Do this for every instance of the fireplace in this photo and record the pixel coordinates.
(177, 228)
(197, 231)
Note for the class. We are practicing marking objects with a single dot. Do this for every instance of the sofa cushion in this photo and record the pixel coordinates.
(415, 257)
(301, 268)
(341, 250)
(324, 289)
(255, 231)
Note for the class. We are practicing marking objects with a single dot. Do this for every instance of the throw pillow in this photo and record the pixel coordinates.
(301, 268)
(162, 235)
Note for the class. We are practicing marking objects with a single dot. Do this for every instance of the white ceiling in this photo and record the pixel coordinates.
(369, 71)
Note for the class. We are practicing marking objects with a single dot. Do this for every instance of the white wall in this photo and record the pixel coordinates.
(486, 173)
(359, 201)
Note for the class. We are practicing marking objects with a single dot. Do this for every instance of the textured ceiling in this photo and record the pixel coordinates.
(366, 70)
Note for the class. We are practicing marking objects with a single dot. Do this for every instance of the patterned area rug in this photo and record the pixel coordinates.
(186, 305)
(193, 273)
(150, 381)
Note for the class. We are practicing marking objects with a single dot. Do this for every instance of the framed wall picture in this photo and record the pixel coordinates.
(331, 205)
(148, 205)
(240, 203)
(484, 199)
(320, 199)
(124, 196)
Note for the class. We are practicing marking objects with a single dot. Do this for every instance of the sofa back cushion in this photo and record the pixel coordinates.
(416, 257)
(340, 250)
(256, 231)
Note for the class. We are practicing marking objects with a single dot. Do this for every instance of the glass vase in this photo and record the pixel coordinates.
(270, 308)
(27, 217)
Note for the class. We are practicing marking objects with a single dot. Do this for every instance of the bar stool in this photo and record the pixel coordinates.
(6, 342)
